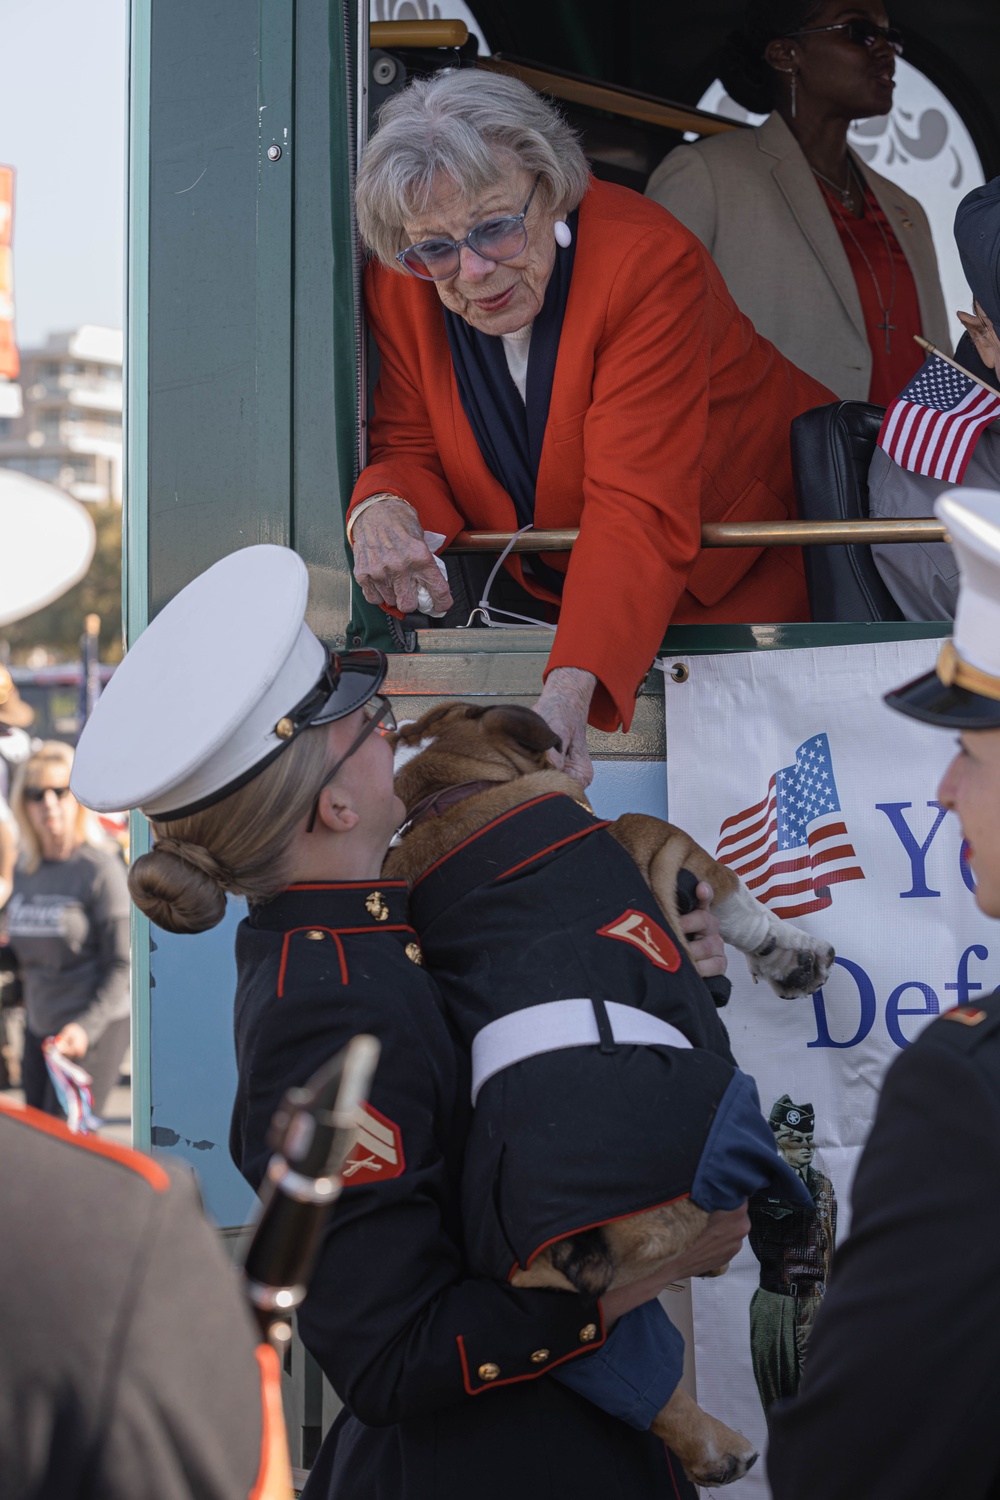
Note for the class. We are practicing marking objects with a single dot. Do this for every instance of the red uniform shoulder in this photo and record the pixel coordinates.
(134, 1161)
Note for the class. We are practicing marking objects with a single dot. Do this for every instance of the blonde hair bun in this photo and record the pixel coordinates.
(179, 886)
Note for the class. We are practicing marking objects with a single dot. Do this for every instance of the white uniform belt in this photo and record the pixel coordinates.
(562, 1023)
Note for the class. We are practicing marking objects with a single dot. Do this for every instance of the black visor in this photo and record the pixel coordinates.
(348, 680)
(931, 701)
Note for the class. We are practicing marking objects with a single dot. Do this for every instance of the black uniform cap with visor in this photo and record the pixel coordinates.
(963, 691)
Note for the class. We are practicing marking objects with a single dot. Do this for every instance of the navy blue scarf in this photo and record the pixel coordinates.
(509, 431)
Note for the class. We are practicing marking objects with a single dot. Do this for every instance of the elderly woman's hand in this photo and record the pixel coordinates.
(392, 560)
(563, 704)
(985, 337)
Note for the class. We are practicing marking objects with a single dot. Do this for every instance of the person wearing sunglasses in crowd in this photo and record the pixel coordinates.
(831, 262)
(279, 789)
(68, 925)
(558, 352)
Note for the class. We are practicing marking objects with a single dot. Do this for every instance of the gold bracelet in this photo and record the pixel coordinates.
(371, 500)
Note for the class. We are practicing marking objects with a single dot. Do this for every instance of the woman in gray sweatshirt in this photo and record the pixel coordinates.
(68, 923)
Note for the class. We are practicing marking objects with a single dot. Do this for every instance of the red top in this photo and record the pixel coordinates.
(667, 410)
(892, 370)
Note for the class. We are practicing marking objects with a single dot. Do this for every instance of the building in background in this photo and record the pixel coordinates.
(8, 347)
(69, 429)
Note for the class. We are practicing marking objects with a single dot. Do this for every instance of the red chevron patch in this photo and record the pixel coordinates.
(642, 932)
(377, 1154)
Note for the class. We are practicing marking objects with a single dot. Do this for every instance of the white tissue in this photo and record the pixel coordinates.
(425, 604)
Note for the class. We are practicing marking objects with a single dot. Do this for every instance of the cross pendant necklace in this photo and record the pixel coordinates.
(885, 326)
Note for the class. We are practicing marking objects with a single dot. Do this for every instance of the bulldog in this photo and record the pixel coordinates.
(610, 1118)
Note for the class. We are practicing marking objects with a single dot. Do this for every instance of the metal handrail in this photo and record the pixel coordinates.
(418, 33)
(730, 534)
(574, 89)
(570, 87)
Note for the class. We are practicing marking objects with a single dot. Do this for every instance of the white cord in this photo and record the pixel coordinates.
(484, 606)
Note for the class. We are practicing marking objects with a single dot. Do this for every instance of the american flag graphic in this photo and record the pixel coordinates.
(791, 847)
(933, 425)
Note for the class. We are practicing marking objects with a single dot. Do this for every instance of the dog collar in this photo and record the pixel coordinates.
(436, 803)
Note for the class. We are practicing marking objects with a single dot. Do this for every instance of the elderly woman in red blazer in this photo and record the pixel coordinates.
(561, 352)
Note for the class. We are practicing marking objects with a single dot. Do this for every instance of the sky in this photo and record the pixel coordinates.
(62, 128)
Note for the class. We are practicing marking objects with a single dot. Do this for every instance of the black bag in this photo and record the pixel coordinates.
(10, 978)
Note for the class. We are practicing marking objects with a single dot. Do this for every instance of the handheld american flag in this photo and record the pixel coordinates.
(933, 425)
(792, 846)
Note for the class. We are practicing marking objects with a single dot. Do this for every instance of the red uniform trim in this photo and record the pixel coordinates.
(492, 1385)
(535, 801)
(673, 1476)
(335, 933)
(581, 833)
(274, 1476)
(597, 1224)
(157, 1178)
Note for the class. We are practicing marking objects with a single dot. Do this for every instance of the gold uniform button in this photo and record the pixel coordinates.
(540, 1356)
(413, 953)
(315, 935)
(588, 1333)
(376, 907)
(284, 729)
(489, 1372)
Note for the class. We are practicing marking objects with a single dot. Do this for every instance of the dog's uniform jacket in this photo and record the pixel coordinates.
(542, 905)
(901, 1388)
(444, 1376)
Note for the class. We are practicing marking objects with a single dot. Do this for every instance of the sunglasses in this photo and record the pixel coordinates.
(39, 793)
(494, 239)
(862, 34)
(378, 716)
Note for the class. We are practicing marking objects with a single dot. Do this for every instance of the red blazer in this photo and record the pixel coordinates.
(668, 409)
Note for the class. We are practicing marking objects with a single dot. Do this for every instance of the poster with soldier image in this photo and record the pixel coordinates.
(794, 1248)
(787, 767)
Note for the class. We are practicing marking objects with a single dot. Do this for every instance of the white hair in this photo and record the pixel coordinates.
(470, 126)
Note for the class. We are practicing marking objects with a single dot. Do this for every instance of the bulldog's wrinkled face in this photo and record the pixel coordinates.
(460, 742)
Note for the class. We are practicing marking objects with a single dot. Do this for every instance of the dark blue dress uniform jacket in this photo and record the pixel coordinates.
(543, 904)
(443, 1374)
(901, 1390)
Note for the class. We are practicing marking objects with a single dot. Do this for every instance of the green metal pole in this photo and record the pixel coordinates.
(135, 527)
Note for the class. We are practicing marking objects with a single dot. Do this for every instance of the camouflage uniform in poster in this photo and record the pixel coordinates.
(794, 1246)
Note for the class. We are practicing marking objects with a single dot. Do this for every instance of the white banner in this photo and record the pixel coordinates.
(787, 765)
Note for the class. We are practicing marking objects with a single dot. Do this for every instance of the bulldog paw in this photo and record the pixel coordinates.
(793, 962)
(711, 1453)
(726, 1468)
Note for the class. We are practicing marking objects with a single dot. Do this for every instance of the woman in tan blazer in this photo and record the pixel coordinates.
(831, 262)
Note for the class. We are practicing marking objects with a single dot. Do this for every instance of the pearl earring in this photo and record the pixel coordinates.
(563, 234)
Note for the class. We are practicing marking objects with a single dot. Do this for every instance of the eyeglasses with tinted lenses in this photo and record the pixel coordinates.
(862, 33)
(39, 793)
(495, 239)
(378, 716)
